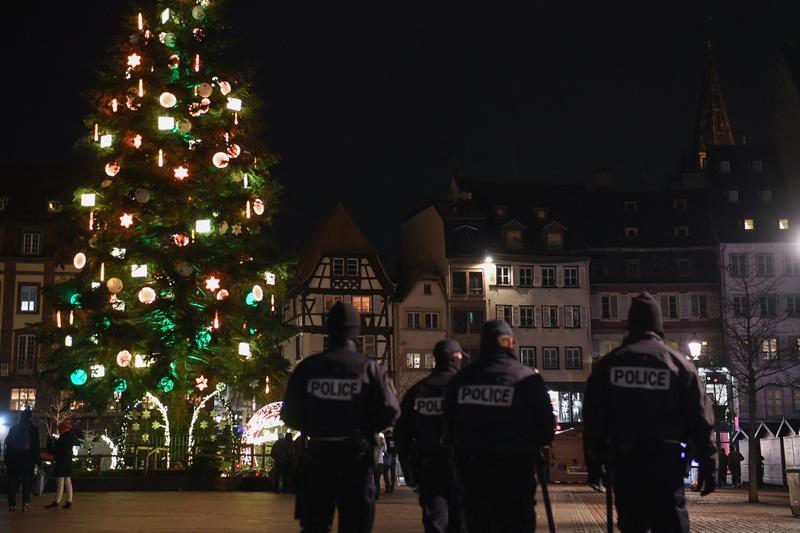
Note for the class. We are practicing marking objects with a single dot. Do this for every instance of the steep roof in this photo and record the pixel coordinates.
(713, 125)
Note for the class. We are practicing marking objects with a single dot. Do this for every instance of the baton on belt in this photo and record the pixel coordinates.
(542, 475)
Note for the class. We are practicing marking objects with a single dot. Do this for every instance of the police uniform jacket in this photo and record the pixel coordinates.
(419, 427)
(643, 394)
(498, 406)
(339, 393)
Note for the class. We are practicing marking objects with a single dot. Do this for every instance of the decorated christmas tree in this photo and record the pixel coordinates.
(177, 272)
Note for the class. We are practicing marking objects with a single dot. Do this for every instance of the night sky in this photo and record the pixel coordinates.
(376, 103)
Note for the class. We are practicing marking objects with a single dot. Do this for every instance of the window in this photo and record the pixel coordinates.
(793, 305)
(769, 348)
(549, 316)
(631, 233)
(514, 238)
(541, 213)
(329, 300)
(526, 319)
(791, 266)
(431, 320)
(741, 308)
(699, 306)
(500, 211)
(362, 304)
(749, 224)
(679, 203)
(571, 277)
(365, 344)
(338, 266)
(768, 306)
(766, 196)
(476, 282)
(608, 308)
(413, 320)
(550, 358)
(413, 360)
(504, 313)
(554, 240)
(567, 406)
(428, 361)
(28, 298)
(631, 205)
(757, 166)
(459, 283)
(783, 223)
(26, 353)
(548, 276)
(572, 316)
(599, 269)
(765, 265)
(793, 345)
(681, 231)
(352, 267)
(426, 289)
(669, 306)
(526, 276)
(632, 268)
(573, 359)
(30, 243)
(54, 206)
(733, 196)
(3, 203)
(684, 266)
(725, 167)
(774, 402)
(737, 265)
(22, 399)
(527, 356)
(503, 275)
(467, 321)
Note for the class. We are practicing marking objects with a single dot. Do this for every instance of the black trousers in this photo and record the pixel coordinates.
(20, 472)
(390, 476)
(439, 496)
(332, 478)
(499, 493)
(281, 475)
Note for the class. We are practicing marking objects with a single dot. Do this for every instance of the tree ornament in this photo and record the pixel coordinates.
(202, 226)
(126, 220)
(112, 169)
(198, 12)
(234, 104)
(134, 60)
(222, 294)
(120, 385)
(142, 196)
(147, 295)
(124, 358)
(224, 87)
(167, 100)
(204, 90)
(269, 277)
(78, 377)
(137, 141)
(97, 371)
(223, 228)
(174, 61)
(132, 103)
(105, 184)
(106, 140)
(181, 173)
(88, 199)
(166, 123)
(184, 125)
(79, 261)
(183, 268)
(221, 160)
(234, 150)
(114, 105)
(201, 383)
(167, 38)
(244, 349)
(114, 285)
(236, 229)
(258, 293)
(166, 384)
(181, 239)
(212, 283)
(258, 206)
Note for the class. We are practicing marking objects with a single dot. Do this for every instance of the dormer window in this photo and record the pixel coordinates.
(466, 238)
(679, 203)
(53, 206)
(631, 205)
(783, 223)
(631, 233)
(725, 167)
(733, 196)
(541, 213)
(514, 238)
(554, 240)
(500, 212)
(749, 224)
(681, 231)
(757, 166)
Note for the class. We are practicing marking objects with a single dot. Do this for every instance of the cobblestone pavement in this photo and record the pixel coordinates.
(577, 509)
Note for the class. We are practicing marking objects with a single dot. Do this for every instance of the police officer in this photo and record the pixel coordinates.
(642, 401)
(339, 400)
(497, 417)
(418, 433)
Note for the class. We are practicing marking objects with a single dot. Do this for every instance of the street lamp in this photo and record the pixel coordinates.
(695, 348)
(488, 260)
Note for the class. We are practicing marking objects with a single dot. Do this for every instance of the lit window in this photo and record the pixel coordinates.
(29, 298)
(30, 243)
(573, 358)
(330, 300)
(428, 361)
(769, 348)
(22, 399)
(527, 355)
(783, 223)
(413, 360)
(54, 206)
(749, 224)
(503, 274)
(362, 304)
(26, 353)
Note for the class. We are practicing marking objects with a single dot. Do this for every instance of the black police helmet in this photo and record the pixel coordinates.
(344, 322)
(443, 352)
(645, 315)
(489, 333)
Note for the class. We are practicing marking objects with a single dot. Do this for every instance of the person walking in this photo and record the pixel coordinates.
(642, 401)
(282, 454)
(722, 464)
(22, 453)
(339, 400)
(380, 451)
(62, 471)
(390, 462)
(423, 458)
(498, 416)
(735, 461)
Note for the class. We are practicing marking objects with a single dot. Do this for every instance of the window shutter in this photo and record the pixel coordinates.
(664, 306)
(498, 314)
(515, 275)
(625, 307)
(596, 302)
(582, 276)
(559, 276)
(684, 306)
(712, 305)
(316, 343)
(613, 305)
(559, 316)
(568, 318)
(537, 276)
(515, 316)
(537, 316)
(493, 276)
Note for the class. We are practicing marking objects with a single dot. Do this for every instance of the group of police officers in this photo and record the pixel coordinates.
(470, 436)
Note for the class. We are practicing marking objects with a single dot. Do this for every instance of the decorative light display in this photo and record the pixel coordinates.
(181, 240)
(140, 361)
(181, 173)
(166, 123)
(79, 377)
(114, 285)
(114, 105)
(120, 385)
(269, 277)
(106, 140)
(258, 293)
(160, 158)
(79, 261)
(234, 150)
(126, 220)
(141, 88)
(68, 341)
(97, 371)
(165, 16)
(221, 160)
(137, 141)
(202, 226)
(204, 90)
(88, 199)
(146, 295)
(250, 299)
(244, 349)
(138, 271)
(142, 196)
(224, 87)
(234, 104)
(198, 12)
(167, 100)
(112, 169)
(117, 252)
(124, 358)
(258, 206)
(222, 294)
(166, 384)
(212, 283)
(201, 383)
(134, 60)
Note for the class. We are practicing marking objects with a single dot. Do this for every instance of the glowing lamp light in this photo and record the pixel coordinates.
(167, 100)
(105, 140)
(166, 123)
(134, 60)
(79, 261)
(78, 377)
(147, 295)
(269, 277)
(212, 283)
(112, 169)
(181, 173)
(258, 206)
(222, 294)
(126, 220)
(203, 226)
(138, 271)
(244, 349)
(140, 22)
(88, 199)
(488, 260)
(124, 358)
(258, 293)
(221, 160)
(695, 348)
(68, 341)
(234, 104)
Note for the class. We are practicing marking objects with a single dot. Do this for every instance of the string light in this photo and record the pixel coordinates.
(102, 271)
(160, 157)
(71, 317)
(137, 141)
(141, 22)
(58, 319)
(212, 283)
(216, 320)
(247, 209)
(134, 60)
(114, 105)
(96, 132)
(236, 119)
(181, 173)
(246, 181)
(126, 220)
(141, 88)
(197, 63)
(91, 220)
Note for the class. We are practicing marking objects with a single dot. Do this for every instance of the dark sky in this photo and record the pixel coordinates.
(376, 103)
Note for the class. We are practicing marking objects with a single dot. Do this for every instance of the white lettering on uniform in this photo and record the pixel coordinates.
(333, 388)
(636, 377)
(429, 406)
(491, 395)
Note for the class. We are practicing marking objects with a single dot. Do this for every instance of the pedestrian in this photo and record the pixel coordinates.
(380, 451)
(62, 470)
(722, 465)
(642, 401)
(423, 458)
(282, 454)
(390, 462)
(735, 461)
(340, 400)
(497, 416)
(22, 453)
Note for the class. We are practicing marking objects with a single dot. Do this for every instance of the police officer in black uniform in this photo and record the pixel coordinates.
(643, 400)
(425, 461)
(497, 417)
(339, 400)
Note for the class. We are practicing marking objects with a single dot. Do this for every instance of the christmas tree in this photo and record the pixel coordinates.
(178, 273)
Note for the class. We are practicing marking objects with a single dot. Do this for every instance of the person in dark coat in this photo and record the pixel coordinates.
(497, 419)
(735, 461)
(283, 454)
(723, 468)
(22, 453)
(62, 471)
(390, 462)
(642, 401)
(340, 400)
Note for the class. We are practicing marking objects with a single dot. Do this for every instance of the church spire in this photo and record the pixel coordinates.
(713, 127)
